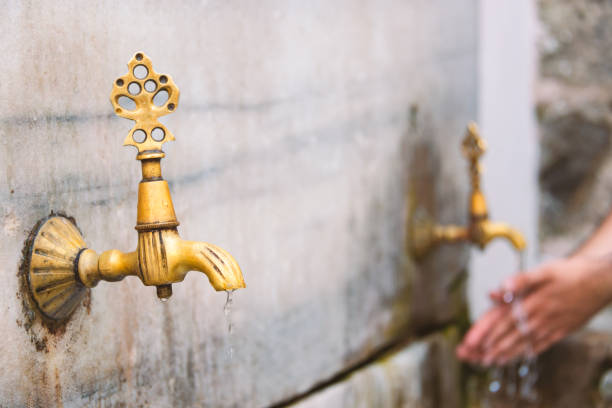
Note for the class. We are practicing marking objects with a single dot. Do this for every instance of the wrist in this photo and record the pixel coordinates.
(594, 277)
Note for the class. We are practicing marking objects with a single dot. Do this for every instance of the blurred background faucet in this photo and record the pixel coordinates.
(425, 234)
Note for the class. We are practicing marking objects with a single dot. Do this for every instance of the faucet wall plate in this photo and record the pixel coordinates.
(420, 232)
(53, 255)
(61, 267)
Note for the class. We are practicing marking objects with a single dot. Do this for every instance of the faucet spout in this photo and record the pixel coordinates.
(486, 231)
(161, 264)
(217, 264)
(425, 234)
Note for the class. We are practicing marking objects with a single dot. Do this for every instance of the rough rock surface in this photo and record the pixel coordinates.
(574, 95)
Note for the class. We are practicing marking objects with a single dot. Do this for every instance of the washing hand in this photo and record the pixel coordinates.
(555, 299)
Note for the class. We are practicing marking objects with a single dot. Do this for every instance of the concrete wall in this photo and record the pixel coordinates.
(299, 132)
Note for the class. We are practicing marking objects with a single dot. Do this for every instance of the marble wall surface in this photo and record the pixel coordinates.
(301, 131)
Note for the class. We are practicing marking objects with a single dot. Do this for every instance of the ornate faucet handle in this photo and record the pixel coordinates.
(425, 233)
(153, 95)
(473, 146)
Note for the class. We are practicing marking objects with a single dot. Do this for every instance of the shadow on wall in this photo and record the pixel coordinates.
(438, 282)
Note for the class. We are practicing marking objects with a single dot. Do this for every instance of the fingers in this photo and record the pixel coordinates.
(519, 337)
(500, 296)
(502, 329)
(532, 308)
(471, 349)
(520, 285)
(466, 354)
(499, 337)
(497, 296)
(511, 344)
(483, 326)
(526, 282)
(506, 349)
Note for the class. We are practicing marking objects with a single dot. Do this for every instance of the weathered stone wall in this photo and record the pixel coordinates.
(574, 107)
(574, 94)
(423, 374)
(300, 130)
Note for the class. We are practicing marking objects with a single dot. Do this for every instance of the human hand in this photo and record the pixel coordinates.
(552, 301)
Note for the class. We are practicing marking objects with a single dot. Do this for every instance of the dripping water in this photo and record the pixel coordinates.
(227, 312)
(527, 366)
(227, 309)
(518, 379)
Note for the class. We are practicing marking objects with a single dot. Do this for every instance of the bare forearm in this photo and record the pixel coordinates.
(600, 243)
(594, 259)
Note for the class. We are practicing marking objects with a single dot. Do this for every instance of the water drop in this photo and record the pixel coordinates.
(163, 300)
(494, 386)
(527, 369)
(517, 380)
(227, 310)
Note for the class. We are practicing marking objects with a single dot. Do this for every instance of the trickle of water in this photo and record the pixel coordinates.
(527, 369)
(227, 311)
(529, 377)
(523, 370)
(520, 377)
(495, 386)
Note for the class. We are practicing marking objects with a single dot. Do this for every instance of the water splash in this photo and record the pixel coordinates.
(527, 367)
(497, 379)
(494, 387)
(518, 379)
(227, 311)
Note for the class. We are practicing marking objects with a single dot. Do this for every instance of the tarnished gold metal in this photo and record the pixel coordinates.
(142, 84)
(425, 234)
(52, 255)
(62, 267)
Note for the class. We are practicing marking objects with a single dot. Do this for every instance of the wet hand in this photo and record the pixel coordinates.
(534, 310)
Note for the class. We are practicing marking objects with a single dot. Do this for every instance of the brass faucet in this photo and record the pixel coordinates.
(59, 265)
(425, 234)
